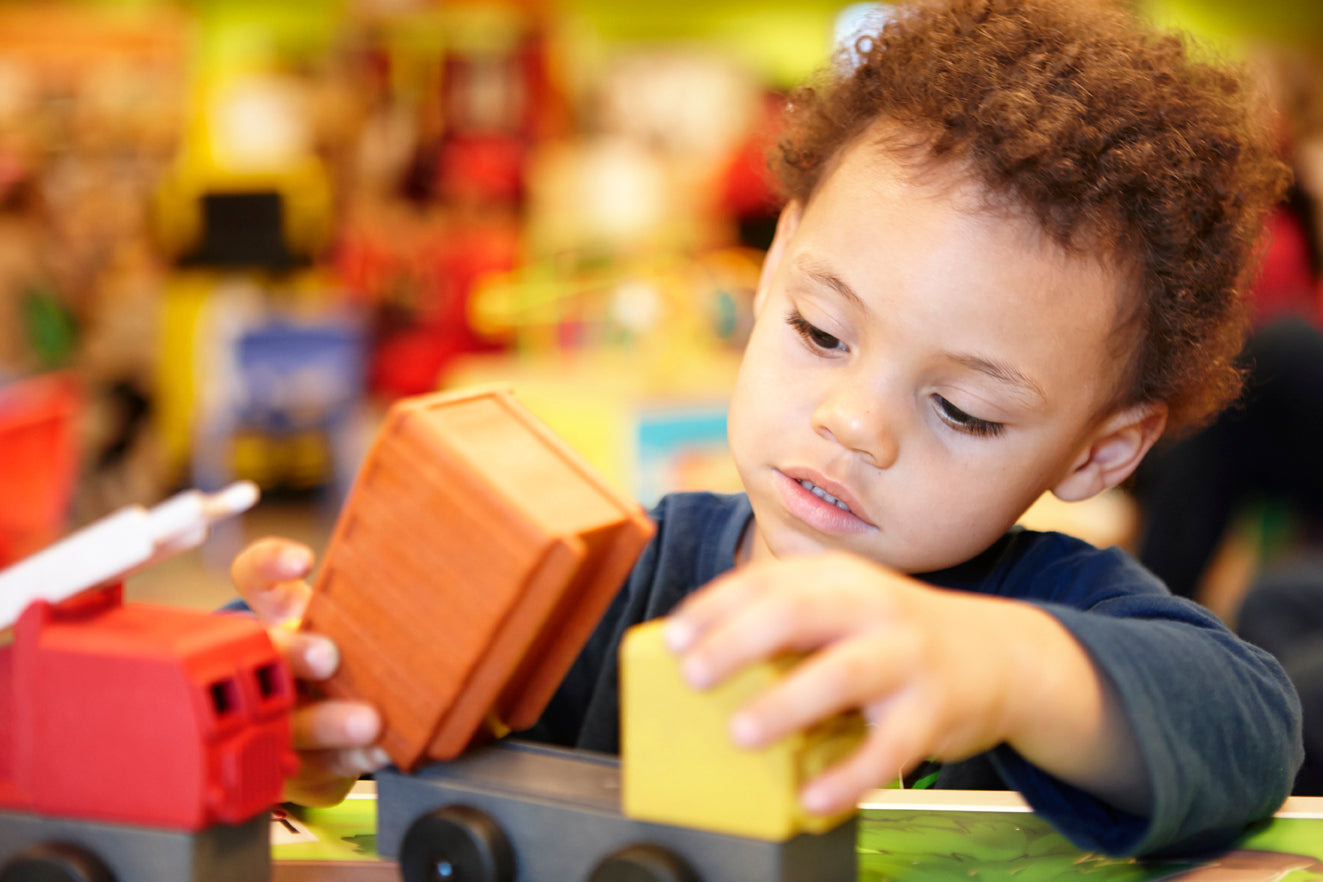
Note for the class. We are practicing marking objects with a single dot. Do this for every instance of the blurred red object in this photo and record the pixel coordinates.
(38, 461)
(1286, 284)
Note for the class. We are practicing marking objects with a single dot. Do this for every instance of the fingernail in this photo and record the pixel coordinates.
(361, 725)
(745, 730)
(816, 799)
(678, 635)
(321, 657)
(293, 563)
(378, 758)
(696, 673)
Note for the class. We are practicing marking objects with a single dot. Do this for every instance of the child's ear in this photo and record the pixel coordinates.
(1117, 447)
(786, 224)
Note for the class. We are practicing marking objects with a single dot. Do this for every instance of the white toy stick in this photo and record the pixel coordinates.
(131, 538)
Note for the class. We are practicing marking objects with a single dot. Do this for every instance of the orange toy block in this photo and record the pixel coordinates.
(474, 556)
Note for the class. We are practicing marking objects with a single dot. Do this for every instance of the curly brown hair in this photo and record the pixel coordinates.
(1115, 138)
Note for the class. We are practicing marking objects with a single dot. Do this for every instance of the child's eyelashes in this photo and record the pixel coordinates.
(819, 340)
(812, 334)
(967, 423)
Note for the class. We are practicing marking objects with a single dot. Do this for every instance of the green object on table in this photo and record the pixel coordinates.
(923, 845)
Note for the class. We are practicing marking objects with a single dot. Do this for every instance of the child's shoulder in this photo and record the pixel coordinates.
(1054, 567)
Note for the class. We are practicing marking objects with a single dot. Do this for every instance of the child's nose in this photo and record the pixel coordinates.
(856, 419)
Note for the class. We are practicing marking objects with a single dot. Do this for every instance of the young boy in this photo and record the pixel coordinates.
(1009, 260)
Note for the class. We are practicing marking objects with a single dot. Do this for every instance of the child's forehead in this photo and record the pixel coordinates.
(903, 155)
(982, 225)
(901, 159)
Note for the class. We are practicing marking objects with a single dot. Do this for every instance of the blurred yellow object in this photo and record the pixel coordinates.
(182, 309)
(661, 307)
(1110, 518)
(602, 401)
(680, 766)
(302, 188)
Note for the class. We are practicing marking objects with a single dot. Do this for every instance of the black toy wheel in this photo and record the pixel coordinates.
(643, 863)
(457, 843)
(55, 862)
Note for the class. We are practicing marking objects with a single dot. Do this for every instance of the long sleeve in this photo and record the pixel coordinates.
(1216, 719)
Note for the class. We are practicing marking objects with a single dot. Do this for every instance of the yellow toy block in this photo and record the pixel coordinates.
(680, 766)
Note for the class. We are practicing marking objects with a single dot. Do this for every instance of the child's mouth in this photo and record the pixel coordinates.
(823, 494)
(819, 509)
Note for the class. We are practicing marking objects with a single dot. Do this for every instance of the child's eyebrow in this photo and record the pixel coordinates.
(824, 276)
(1003, 372)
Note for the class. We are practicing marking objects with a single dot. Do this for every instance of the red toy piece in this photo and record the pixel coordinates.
(137, 742)
(143, 715)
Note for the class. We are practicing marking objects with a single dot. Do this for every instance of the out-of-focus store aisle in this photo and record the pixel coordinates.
(241, 229)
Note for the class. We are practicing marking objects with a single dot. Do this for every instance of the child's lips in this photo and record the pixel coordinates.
(820, 503)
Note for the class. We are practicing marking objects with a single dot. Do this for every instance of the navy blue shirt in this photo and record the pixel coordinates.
(1215, 718)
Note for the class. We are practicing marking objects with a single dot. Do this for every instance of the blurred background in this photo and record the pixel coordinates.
(233, 232)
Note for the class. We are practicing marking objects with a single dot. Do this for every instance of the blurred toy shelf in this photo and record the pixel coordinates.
(566, 197)
(649, 427)
(631, 359)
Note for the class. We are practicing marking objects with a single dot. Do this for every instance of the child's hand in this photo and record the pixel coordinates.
(333, 739)
(938, 674)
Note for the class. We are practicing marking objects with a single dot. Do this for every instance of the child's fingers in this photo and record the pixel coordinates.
(712, 603)
(788, 616)
(269, 577)
(353, 762)
(309, 656)
(332, 751)
(326, 776)
(317, 790)
(334, 724)
(896, 744)
(844, 677)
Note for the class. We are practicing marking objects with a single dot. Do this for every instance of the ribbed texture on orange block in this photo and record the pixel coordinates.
(473, 558)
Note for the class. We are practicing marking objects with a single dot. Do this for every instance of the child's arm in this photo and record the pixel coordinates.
(333, 739)
(940, 675)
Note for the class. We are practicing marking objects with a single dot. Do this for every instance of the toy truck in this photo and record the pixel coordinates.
(473, 558)
(137, 743)
(521, 812)
(681, 804)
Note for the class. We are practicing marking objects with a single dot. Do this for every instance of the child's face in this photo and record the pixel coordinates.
(934, 367)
